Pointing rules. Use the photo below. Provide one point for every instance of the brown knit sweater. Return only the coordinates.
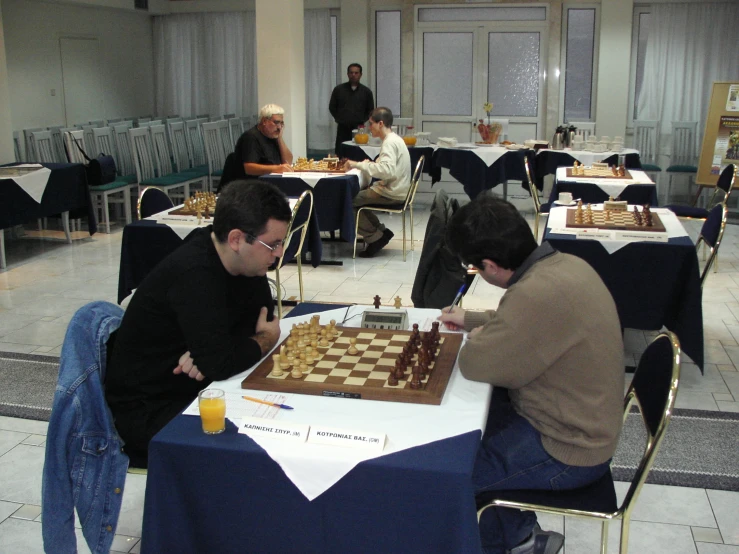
(555, 342)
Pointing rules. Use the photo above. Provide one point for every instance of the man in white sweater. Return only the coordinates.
(392, 168)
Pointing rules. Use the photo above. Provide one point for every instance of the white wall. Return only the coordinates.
(6, 138)
(32, 31)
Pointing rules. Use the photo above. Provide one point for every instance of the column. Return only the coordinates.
(281, 65)
(6, 127)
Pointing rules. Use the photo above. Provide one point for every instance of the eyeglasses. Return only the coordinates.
(279, 123)
(272, 247)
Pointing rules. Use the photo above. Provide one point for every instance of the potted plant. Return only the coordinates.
(489, 132)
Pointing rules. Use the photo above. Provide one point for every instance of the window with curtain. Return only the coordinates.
(387, 60)
(688, 47)
(320, 79)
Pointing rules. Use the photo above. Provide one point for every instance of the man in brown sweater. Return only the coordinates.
(555, 343)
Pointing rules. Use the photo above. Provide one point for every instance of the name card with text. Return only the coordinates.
(283, 430)
(344, 437)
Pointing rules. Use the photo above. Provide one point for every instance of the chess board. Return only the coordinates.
(621, 220)
(600, 173)
(185, 211)
(364, 375)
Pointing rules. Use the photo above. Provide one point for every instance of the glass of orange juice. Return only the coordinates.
(212, 404)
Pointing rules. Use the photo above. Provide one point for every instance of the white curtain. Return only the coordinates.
(320, 79)
(688, 48)
(205, 63)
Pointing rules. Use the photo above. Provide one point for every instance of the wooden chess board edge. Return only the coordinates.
(183, 211)
(657, 225)
(432, 393)
(600, 175)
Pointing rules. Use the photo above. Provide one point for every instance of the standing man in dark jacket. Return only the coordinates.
(350, 104)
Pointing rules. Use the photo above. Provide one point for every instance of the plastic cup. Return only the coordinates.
(212, 404)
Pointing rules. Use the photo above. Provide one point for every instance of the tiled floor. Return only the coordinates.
(47, 281)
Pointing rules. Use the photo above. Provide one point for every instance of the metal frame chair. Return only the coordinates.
(711, 234)
(293, 228)
(539, 208)
(724, 186)
(399, 208)
(152, 203)
(653, 389)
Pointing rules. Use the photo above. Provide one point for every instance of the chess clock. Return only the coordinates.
(385, 319)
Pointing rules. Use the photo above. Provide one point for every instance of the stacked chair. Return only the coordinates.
(105, 143)
(217, 140)
(646, 141)
(683, 153)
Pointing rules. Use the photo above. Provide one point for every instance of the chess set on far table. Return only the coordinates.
(201, 205)
(326, 165)
(599, 170)
(351, 362)
(620, 218)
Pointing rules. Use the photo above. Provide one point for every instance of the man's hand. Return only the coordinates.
(268, 332)
(348, 165)
(454, 320)
(282, 168)
(187, 367)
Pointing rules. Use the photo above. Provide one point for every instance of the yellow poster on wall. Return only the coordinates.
(721, 137)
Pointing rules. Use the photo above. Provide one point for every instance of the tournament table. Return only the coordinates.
(653, 284)
(594, 190)
(145, 243)
(332, 200)
(476, 176)
(65, 191)
(547, 161)
(224, 493)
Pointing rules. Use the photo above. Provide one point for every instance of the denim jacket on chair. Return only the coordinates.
(84, 465)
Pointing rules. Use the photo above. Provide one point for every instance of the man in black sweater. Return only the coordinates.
(262, 149)
(350, 105)
(203, 314)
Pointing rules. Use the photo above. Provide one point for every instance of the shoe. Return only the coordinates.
(540, 542)
(374, 247)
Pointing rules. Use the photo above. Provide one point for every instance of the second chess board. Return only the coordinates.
(617, 220)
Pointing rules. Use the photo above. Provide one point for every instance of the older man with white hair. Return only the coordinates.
(262, 149)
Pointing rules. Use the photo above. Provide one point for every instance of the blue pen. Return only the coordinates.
(457, 298)
(267, 402)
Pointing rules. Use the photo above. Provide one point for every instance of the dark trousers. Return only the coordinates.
(343, 133)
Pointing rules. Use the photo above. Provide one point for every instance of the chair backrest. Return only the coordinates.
(44, 147)
(585, 128)
(229, 116)
(215, 150)
(532, 187)
(295, 237)
(711, 234)
(31, 155)
(142, 153)
(194, 137)
(89, 141)
(401, 124)
(141, 120)
(152, 201)
(174, 119)
(71, 140)
(161, 149)
(724, 185)
(414, 182)
(57, 142)
(105, 144)
(114, 120)
(653, 389)
(683, 149)
(123, 147)
(205, 116)
(17, 146)
(236, 128)
(178, 140)
(646, 140)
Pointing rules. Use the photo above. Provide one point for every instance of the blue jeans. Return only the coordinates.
(510, 457)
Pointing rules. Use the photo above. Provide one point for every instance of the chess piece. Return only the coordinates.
(352, 347)
(392, 380)
(637, 216)
(276, 366)
(324, 340)
(377, 302)
(398, 302)
(647, 213)
(416, 379)
(296, 373)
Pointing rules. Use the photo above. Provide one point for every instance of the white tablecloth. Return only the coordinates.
(557, 223)
(586, 157)
(374, 151)
(612, 187)
(311, 178)
(315, 468)
(33, 183)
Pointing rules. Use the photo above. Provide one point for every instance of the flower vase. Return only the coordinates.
(489, 132)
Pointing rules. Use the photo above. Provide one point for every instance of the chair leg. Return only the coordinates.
(604, 537)
(300, 275)
(624, 546)
(536, 226)
(106, 214)
(403, 219)
(127, 206)
(3, 263)
(356, 232)
(411, 210)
